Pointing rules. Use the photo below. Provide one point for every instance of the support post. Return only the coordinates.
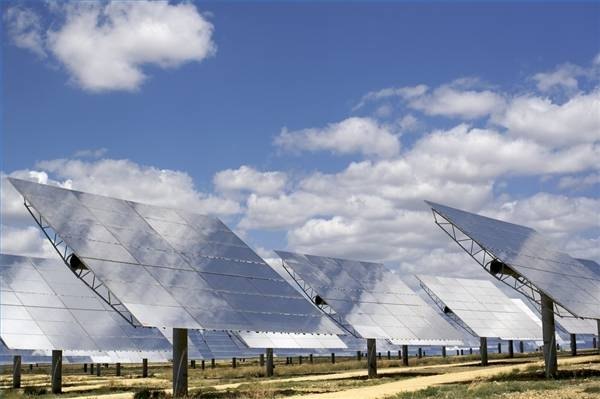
(212, 363)
(269, 362)
(470, 351)
(457, 352)
(549, 331)
(193, 364)
(511, 348)
(405, 355)
(573, 345)
(597, 342)
(379, 355)
(85, 367)
(389, 355)
(462, 352)
(56, 371)
(443, 351)
(203, 364)
(261, 360)
(371, 358)
(483, 351)
(332, 358)
(180, 362)
(499, 347)
(399, 355)
(300, 359)
(16, 381)
(118, 368)
(98, 369)
(358, 355)
(310, 358)
(92, 368)
(233, 362)
(521, 347)
(145, 366)
(420, 353)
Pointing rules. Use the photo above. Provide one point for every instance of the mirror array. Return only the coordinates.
(370, 299)
(483, 307)
(173, 268)
(43, 306)
(564, 279)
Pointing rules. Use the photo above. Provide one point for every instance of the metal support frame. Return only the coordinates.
(98, 370)
(86, 275)
(511, 348)
(144, 368)
(573, 344)
(443, 351)
(448, 313)
(312, 294)
(118, 369)
(484, 257)
(371, 358)
(405, 355)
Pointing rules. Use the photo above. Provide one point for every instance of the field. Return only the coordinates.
(430, 377)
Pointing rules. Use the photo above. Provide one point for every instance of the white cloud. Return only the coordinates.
(564, 76)
(579, 182)
(353, 135)
(104, 46)
(27, 241)
(97, 153)
(408, 123)
(389, 92)
(450, 101)
(575, 121)
(247, 179)
(125, 179)
(24, 30)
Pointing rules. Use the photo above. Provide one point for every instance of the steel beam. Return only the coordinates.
(483, 351)
(56, 371)
(16, 380)
(180, 362)
(371, 357)
(549, 334)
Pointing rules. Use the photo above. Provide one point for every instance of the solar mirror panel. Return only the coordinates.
(290, 341)
(483, 307)
(43, 306)
(168, 267)
(368, 300)
(526, 253)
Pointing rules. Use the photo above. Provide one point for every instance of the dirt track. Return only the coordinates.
(386, 389)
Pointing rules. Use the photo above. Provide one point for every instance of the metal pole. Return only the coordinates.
(499, 347)
(399, 355)
(462, 352)
(332, 358)
(300, 359)
(16, 382)
(483, 351)
(203, 364)
(261, 360)
(145, 366)
(511, 349)
(405, 355)
(573, 345)
(521, 347)
(420, 353)
(56, 371)
(371, 358)
(193, 364)
(234, 362)
(85, 367)
(358, 355)
(92, 368)
(443, 351)
(98, 368)
(118, 372)
(180, 362)
(598, 343)
(269, 362)
(548, 330)
(470, 351)
(212, 363)
(310, 358)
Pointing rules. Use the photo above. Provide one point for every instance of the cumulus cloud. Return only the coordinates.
(575, 121)
(247, 179)
(579, 182)
(24, 29)
(104, 46)
(25, 241)
(450, 101)
(352, 135)
(564, 76)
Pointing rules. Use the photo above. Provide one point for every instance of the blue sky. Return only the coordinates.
(308, 65)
